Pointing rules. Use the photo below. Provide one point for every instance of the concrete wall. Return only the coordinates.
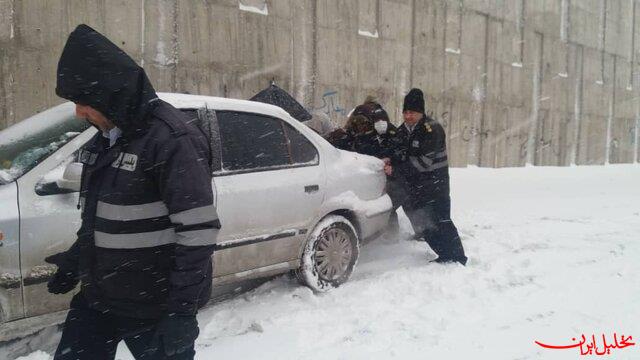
(544, 82)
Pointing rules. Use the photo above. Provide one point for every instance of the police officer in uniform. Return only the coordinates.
(143, 253)
(420, 161)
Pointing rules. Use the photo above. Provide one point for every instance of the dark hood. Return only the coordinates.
(95, 72)
(276, 96)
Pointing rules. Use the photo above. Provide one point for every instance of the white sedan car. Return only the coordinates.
(286, 198)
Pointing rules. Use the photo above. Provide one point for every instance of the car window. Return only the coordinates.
(251, 141)
(302, 150)
(29, 142)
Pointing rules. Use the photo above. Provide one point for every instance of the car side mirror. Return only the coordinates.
(60, 180)
(70, 180)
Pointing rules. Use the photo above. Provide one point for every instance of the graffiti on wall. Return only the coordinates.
(330, 104)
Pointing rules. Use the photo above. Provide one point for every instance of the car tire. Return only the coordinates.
(330, 254)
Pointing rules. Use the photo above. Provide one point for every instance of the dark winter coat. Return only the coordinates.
(368, 143)
(341, 138)
(359, 133)
(148, 220)
(420, 161)
(374, 144)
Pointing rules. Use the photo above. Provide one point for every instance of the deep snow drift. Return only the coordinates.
(554, 254)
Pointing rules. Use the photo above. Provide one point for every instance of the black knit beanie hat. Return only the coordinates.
(414, 101)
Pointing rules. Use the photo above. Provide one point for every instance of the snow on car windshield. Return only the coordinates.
(13, 169)
(26, 144)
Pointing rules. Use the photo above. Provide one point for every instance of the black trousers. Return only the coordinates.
(93, 335)
(396, 189)
(433, 220)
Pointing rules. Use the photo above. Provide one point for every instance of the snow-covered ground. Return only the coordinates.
(554, 254)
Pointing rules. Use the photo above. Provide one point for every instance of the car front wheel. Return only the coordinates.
(330, 254)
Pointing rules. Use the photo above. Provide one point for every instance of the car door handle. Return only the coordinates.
(311, 188)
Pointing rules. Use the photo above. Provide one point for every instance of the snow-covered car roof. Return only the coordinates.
(219, 103)
(189, 101)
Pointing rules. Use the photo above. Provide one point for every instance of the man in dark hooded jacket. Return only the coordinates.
(368, 131)
(143, 252)
(379, 140)
(375, 138)
(420, 160)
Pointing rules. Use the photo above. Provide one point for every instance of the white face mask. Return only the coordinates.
(381, 126)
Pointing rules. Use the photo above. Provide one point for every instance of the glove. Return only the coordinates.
(65, 279)
(176, 334)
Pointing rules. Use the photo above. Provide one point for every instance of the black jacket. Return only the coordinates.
(420, 159)
(148, 221)
(341, 139)
(374, 144)
(370, 143)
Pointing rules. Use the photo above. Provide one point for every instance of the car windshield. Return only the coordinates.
(27, 143)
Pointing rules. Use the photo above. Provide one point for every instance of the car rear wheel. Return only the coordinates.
(330, 254)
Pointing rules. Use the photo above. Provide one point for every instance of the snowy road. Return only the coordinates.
(554, 254)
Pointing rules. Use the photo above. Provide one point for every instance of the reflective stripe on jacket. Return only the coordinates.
(148, 205)
(420, 157)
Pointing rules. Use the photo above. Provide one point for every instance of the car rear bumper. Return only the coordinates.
(373, 216)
